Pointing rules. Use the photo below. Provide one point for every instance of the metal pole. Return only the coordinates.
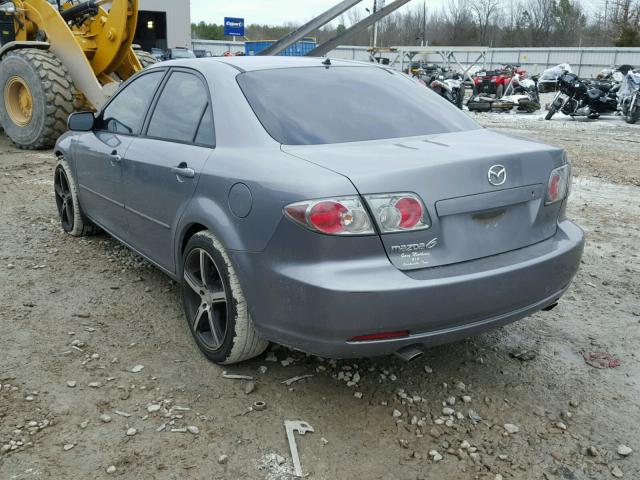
(329, 45)
(424, 23)
(307, 28)
(375, 25)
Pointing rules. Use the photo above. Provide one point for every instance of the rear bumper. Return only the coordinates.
(317, 304)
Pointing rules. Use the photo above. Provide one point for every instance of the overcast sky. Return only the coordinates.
(270, 12)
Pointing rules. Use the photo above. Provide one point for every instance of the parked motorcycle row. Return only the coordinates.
(614, 91)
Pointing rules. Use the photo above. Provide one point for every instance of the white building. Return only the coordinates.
(163, 24)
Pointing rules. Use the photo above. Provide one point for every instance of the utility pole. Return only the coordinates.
(374, 42)
(424, 23)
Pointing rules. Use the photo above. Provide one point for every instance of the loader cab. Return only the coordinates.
(7, 27)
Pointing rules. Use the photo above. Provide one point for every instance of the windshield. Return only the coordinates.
(318, 105)
(182, 54)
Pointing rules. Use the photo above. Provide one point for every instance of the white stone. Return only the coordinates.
(131, 432)
(111, 469)
(436, 457)
(137, 369)
(448, 411)
(153, 408)
(193, 429)
(624, 450)
(511, 428)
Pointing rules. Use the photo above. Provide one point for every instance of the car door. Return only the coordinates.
(99, 153)
(163, 165)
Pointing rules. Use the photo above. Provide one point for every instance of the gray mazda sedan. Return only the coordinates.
(331, 206)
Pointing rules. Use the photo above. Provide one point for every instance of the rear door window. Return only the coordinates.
(125, 113)
(183, 113)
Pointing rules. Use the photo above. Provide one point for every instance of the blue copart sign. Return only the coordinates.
(234, 27)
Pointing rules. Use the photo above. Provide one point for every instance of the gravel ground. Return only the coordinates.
(100, 378)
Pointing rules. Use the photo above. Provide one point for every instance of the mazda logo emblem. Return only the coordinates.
(497, 175)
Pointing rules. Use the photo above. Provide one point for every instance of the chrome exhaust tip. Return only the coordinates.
(409, 353)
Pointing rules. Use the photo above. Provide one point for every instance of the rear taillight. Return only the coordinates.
(398, 212)
(333, 216)
(558, 186)
(392, 212)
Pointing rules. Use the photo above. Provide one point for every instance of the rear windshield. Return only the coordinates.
(318, 105)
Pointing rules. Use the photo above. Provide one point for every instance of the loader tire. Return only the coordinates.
(37, 97)
(145, 58)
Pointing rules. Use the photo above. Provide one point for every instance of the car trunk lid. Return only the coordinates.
(470, 217)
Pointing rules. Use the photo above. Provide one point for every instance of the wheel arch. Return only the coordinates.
(17, 45)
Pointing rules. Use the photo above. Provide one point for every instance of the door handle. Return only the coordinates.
(183, 171)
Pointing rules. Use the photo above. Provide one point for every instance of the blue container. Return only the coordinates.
(298, 49)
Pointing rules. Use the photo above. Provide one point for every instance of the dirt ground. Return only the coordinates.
(77, 317)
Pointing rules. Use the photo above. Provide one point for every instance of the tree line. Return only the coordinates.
(492, 23)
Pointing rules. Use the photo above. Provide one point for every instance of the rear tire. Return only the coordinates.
(214, 305)
(145, 58)
(72, 219)
(37, 97)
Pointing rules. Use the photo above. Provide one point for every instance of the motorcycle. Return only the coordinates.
(577, 97)
(446, 83)
(628, 94)
(549, 79)
(523, 93)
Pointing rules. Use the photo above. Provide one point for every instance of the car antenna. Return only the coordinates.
(327, 62)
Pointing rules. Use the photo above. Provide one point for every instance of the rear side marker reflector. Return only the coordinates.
(380, 336)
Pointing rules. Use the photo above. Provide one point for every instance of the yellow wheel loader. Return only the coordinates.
(60, 56)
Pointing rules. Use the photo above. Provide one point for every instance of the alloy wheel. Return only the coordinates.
(206, 299)
(64, 199)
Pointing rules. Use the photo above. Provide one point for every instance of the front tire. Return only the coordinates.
(214, 305)
(72, 219)
(551, 112)
(37, 97)
(633, 115)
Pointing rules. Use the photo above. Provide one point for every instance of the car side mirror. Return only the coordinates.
(81, 121)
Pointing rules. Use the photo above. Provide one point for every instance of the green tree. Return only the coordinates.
(629, 37)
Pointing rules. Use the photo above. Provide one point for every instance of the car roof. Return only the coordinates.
(251, 63)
